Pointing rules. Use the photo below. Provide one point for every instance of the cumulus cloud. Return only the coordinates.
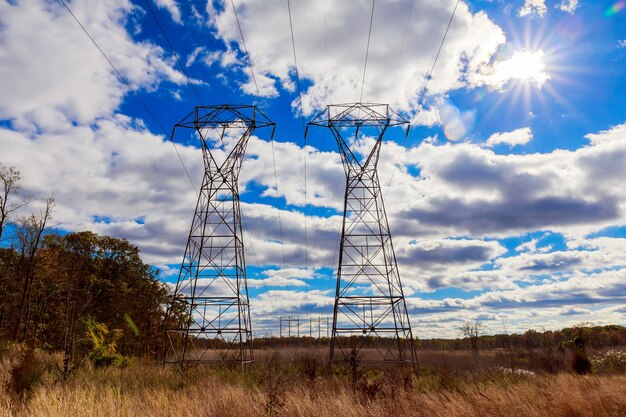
(519, 307)
(335, 73)
(63, 78)
(516, 137)
(436, 253)
(117, 172)
(483, 193)
(533, 7)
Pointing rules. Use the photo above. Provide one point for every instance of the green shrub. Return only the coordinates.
(104, 345)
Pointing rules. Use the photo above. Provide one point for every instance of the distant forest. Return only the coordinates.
(583, 335)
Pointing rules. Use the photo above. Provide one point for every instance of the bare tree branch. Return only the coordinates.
(9, 186)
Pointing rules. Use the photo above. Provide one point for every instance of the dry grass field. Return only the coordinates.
(296, 383)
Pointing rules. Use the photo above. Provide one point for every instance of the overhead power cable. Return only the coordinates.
(367, 49)
(258, 92)
(295, 62)
(401, 54)
(167, 39)
(245, 49)
(423, 92)
(130, 88)
(280, 223)
(325, 48)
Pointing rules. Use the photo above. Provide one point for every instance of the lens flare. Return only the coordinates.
(616, 8)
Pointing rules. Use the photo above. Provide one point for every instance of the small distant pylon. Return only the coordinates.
(212, 292)
(370, 318)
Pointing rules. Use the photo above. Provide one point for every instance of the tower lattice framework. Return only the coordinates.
(370, 318)
(211, 293)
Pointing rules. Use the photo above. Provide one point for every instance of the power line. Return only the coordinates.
(423, 92)
(325, 48)
(367, 50)
(430, 74)
(295, 61)
(245, 48)
(258, 92)
(184, 167)
(130, 88)
(167, 39)
(406, 29)
(280, 224)
(247, 230)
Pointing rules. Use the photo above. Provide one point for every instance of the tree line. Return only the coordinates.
(581, 335)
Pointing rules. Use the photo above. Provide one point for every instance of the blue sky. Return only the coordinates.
(508, 205)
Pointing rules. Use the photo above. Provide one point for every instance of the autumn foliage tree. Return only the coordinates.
(52, 285)
(83, 277)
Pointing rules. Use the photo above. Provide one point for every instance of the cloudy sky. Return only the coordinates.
(508, 204)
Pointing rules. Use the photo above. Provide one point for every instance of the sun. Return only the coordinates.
(524, 66)
(524, 76)
(534, 68)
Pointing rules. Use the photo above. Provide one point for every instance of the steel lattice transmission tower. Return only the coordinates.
(212, 292)
(370, 318)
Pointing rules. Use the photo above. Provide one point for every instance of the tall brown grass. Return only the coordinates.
(294, 384)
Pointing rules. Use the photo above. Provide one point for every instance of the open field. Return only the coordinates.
(296, 382)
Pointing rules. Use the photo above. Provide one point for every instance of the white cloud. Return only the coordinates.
(284, 277)
(191, 59)
(114, 171)
(435, 254)
(552, 305)
(568, 6)
(533, 7)
(208, 58)
(560, 261)
(62, 76)
(614, 136)
(336, 71)
(621, 43)
(519, 136)
(530, 246)
(172, 7)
